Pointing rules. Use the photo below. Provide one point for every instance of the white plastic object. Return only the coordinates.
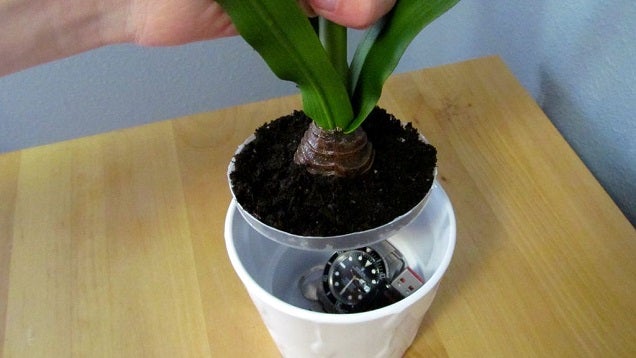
(271, 273)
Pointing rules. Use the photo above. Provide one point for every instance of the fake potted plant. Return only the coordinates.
(341, 175)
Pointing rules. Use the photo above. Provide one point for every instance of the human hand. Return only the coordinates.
(172, 22)
(42, 31)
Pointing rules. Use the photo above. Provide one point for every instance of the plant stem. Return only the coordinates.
(334, 40)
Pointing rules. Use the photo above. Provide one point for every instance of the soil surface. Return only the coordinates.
(268, 184)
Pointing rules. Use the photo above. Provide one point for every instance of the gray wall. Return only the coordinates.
(575, 57)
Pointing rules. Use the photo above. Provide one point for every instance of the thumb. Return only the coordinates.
(352, 13)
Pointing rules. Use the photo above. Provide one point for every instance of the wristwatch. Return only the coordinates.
(366, 278)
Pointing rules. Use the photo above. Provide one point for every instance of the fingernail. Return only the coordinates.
(326, 5)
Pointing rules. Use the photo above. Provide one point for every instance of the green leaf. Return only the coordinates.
(285, 39)
(384, 44)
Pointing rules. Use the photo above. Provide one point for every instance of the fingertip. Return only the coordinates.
(352, 13)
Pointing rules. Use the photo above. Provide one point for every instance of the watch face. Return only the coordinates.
(353, 278)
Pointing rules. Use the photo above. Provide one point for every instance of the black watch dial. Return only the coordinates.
(352, 279)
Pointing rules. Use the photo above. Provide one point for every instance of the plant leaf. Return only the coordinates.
(384, 44)
(285, 39)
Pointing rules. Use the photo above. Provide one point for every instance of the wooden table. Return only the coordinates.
(112, 245)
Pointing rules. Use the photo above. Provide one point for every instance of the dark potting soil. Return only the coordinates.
(268, 184)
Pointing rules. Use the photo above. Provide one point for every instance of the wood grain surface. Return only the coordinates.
(112, 245)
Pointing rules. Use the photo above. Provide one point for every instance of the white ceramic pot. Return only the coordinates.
(271, 273)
